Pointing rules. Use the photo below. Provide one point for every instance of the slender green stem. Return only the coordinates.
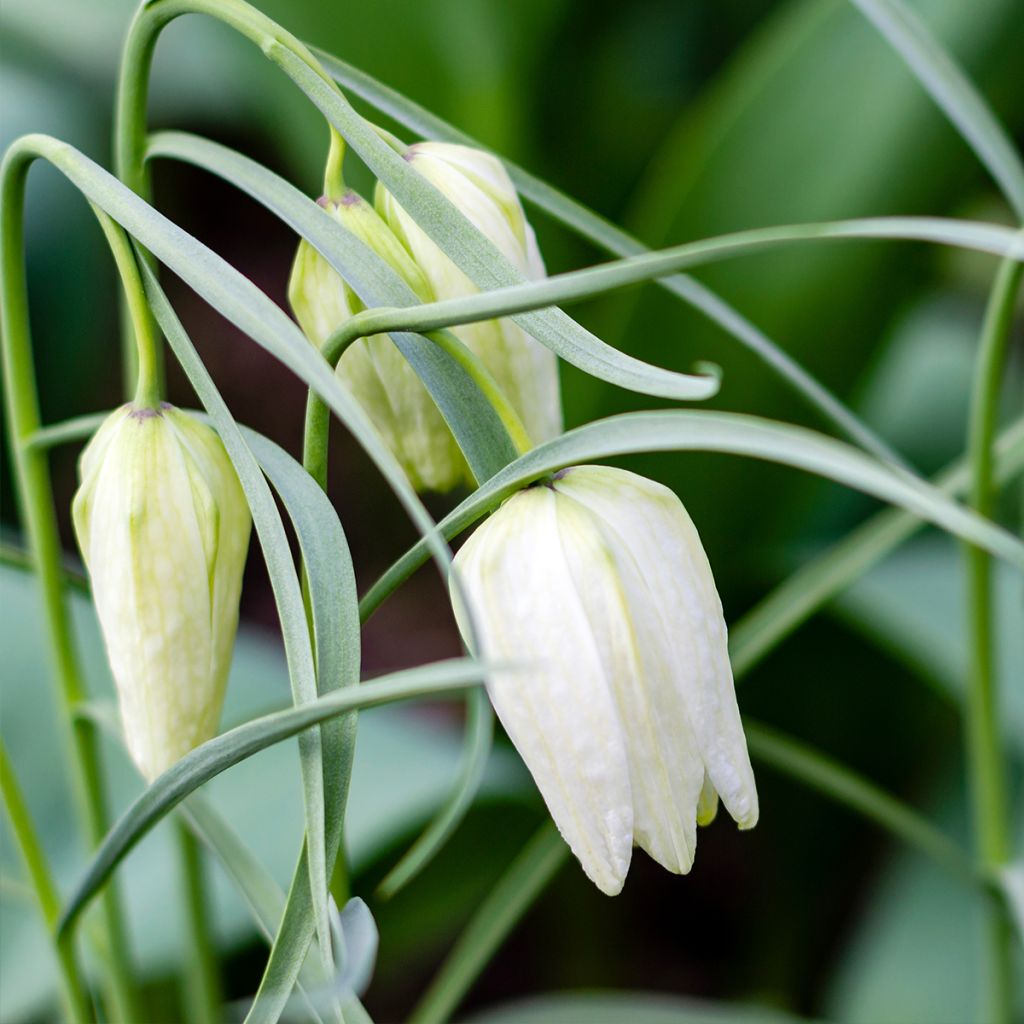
(334, 178)
(986, 760)
(35, 498)
(202, 984)
(494, 919)
(136, 61)
(133, 92)
(74, 996)
(149, 383)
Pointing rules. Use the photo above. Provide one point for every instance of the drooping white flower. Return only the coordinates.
(373, 369)
(479, 186)
(163, 527)
(622, 703)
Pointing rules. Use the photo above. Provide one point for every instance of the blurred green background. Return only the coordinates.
(679, 119)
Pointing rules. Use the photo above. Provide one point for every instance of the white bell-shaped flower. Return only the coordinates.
(373, 369)
(163, 527)
(621, 700)
(479, 186)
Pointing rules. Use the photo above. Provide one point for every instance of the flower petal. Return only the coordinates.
(557, 709)
(665, 767)
(654, 528)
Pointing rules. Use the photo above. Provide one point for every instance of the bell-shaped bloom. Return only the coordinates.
(595, 589)
(479, 186)
(373, 369)
(163, 527)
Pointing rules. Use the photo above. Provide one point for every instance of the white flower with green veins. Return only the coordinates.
(621, 699)
(163, 527)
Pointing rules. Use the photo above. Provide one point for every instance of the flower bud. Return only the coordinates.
(620, 699)
(479, 186)
(373, 369)
(163, 527)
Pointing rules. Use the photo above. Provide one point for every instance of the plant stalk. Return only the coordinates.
(202, 984)
(985, 755)
(74, 995)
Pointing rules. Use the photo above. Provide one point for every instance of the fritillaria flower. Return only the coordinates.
(163, 527)
(594, 587)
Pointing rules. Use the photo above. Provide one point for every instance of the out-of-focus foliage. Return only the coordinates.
(680, 119)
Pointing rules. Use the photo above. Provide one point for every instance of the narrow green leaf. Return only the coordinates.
(476, 255)
(472, 419)
(284, 583)
(601, 232)
(728, 433)
(335, 612)
(795, 599)
(581, 284)
(953, 92)
(211, 758)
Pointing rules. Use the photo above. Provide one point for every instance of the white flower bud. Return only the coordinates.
(373, 369)
(479, 186)
(163, 527)
(624, 709)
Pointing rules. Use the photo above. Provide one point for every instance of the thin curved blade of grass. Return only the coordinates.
(470, 416)
(591, 281)
(602, 233)
(476, 255)
(953, 92)
(798, 596)
(327, 596)
(479, 735)
(727, 433)
(215, 756)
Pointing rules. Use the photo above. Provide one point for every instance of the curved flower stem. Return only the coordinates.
(149, 383)
(133, 90)
(984, 743)
(73, 991)
(35, 497)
